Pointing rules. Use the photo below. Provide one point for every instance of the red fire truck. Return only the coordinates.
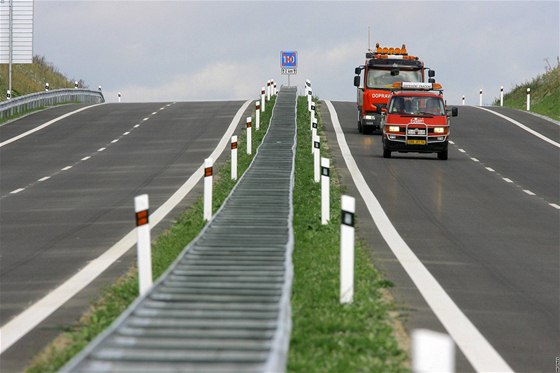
(374, 80)
(416, 120)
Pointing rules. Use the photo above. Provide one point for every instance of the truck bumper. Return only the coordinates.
(403, 147)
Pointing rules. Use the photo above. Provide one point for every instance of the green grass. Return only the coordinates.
(545, 94)
(116, 298)
(328, 336)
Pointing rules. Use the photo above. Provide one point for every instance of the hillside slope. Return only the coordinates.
(545, 94)
(29, 78)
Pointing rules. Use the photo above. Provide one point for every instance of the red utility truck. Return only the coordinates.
(374, 80)
(416, 120)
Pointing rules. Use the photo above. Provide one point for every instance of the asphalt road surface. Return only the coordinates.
(485, 223)
(67, 195)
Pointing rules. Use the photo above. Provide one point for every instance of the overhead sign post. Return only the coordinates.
(288, 63)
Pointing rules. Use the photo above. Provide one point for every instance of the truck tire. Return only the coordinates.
(360, 127)
(387, 153)
(442, 155)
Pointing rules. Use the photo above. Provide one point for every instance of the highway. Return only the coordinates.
(67, 191)
(484, 223)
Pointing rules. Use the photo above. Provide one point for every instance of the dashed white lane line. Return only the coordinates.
(557, 207)
(136, 126)
(86, 158)
(154, 113)
(474, 159)
(114, 141)
(529, 192)
(462, 150)
(126, 133)
(44, 178)
(101, 149)
(507, 180)
(480, 353)
(490, 169)
(17, 191)
(66, 168)
(145, 119)
(19, 326)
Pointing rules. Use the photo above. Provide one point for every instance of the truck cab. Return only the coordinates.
(416, 120)
(374, 81)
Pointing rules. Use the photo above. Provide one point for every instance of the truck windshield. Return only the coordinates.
(417, 105)
(384, 79)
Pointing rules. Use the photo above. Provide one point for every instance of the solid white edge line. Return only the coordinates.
(522, 126)
(9, 141)
(468, 338)
(23, 323)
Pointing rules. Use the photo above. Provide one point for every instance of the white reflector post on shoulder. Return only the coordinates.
(141, 208)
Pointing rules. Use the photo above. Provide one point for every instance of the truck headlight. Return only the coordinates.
(393, 128)
(369, 117)
(439, 130)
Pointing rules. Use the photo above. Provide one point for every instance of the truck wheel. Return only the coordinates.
(442, 155)
(360, 127)
(386, 153)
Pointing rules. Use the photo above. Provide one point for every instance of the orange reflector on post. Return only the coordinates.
(208, 171)
(234, 145)
(142, 217)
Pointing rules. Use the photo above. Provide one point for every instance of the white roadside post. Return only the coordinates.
(325, 190)
(502, 96)
(257, 115)
(313, 134)
(144, 250)
(268, 90)
(208, 163)
(309, 98)
(348, 206)
(432, 352)
(312, 115)
(75, 85)
(234, 158)
(249, 145)
(463, 100)
(47, 87)
(8, 94)
(317, 159)
(119, 97)
(275, 90)
(262, 99)
(480, 100)
(528, 99)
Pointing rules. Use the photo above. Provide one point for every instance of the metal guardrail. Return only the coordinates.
(34, 101)
(224, 305)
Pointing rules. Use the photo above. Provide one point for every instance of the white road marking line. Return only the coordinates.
(126, 133)
(529, 192)
(451, 142)
(114, 141)
(154, 113)
(475, 160)
(44, 178)
(9, 141)
(490, 169)
(17, 191)
(136, 126)
(476, 348)
(145, 119)
(555, 206)
(522, 126)
(66, 168)
(462, 150)
(507, 180)
(23, 323)
(101, 149)
(86, 158)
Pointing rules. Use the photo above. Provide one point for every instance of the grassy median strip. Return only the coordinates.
(327, 336)
(116, 298)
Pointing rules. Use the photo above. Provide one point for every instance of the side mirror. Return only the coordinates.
(358, 70)
(431, 73)
(357, 81)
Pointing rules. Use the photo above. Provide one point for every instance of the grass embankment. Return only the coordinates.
(31, 78)
(116, 298)
(328, 336)
(545, 94)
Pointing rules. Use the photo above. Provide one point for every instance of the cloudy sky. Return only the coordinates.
(206, 50)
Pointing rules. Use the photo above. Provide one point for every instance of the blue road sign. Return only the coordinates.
(288, 59)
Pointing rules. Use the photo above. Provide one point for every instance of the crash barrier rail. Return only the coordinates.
(35, 101)
(224, 305)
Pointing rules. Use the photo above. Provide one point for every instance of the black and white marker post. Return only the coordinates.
(480, 100)
(208, 171)
(141, 208)
(119, 96)
(309, 98)
(268, 90)
(262, 99)
(528, 99)
(47, 87)
(313, 134)
(348, 206)
(257, 115)
(325, 190)
(249, 144)
(463, 100)
(234, 158)
(317, 159)
(502, 96)
(312, 115)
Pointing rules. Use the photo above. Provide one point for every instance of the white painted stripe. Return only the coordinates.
(529, 192)
(145, 119)
(23, 323)
(66, 168)
(17, 191)
(126, 133)
(557, 207)
(136, 126)
(475, 160)
(114, 141)
(462, 150)
(522, 126)
(44, 178)
(86, 158)
(9, 141)
(451, 142)
(101, 149)
(154, 113)
(507, 180)
(490, 169)
(476, 348)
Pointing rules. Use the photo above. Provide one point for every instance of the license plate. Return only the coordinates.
(416, 142)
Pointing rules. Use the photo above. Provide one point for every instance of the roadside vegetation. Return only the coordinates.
(545, 93)
(31, 78)
(166, 248)
(327, 336)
